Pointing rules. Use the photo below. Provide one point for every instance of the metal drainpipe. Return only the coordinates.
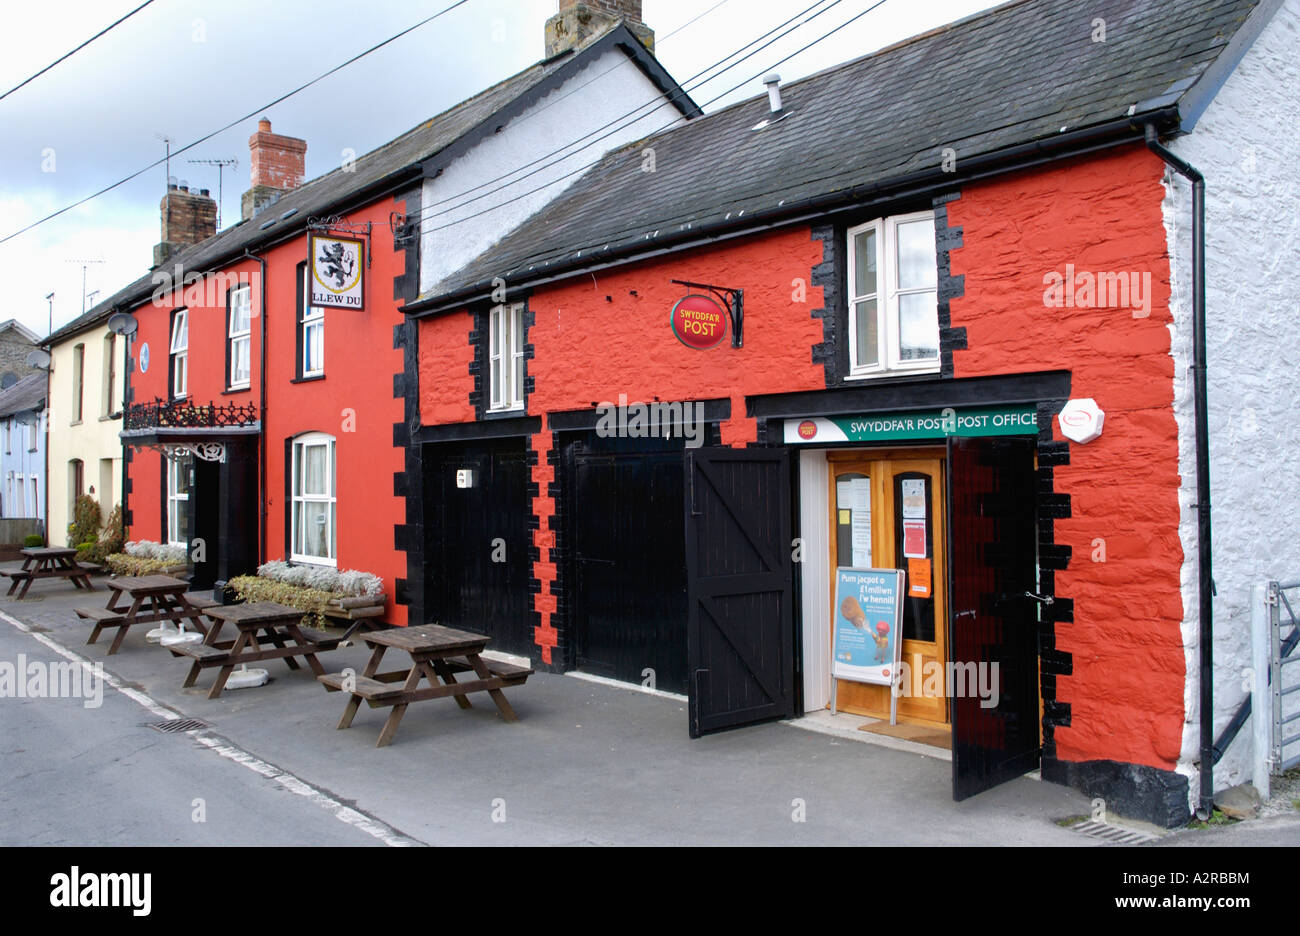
(261, 447)
(127, 341)
(1204, 551)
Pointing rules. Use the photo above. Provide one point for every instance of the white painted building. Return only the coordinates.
(1245, 145)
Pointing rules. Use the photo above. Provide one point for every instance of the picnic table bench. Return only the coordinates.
(278, 625)
(437, 653)
(164, 595)
(49, 562)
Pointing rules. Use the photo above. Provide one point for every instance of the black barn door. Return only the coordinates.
(481, 542)
(629, 589)
(993, 618)
(740, 628)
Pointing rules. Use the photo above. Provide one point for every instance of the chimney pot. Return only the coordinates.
(580, 21)
(277, 164)
(187, 218)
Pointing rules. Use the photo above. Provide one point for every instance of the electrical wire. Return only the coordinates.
(254, 112)
(69, 55)
(584, 168)
(623, 121)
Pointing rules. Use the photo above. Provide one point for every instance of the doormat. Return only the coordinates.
(922, 734)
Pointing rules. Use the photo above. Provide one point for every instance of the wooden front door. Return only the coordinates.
(887, 512)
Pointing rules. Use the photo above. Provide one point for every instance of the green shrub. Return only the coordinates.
(33, 540)
(105, 543)
(86, 520)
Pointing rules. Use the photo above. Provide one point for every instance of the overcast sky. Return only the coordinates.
(181, 68)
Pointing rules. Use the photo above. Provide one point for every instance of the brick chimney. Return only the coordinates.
(277, 164)
(580, 21)
(187, 218)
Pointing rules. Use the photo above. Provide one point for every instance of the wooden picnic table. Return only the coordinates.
(275, 621)
(164, 595)
(436, 652)
(49, 562)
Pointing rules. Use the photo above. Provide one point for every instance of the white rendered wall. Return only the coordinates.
(1246, 146)
(614, 88)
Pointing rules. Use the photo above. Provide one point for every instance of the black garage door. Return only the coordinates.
(627, 558)
(478, 541)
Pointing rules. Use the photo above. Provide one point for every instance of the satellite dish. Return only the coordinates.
(39, 359)
(7, 380)
(122, 323)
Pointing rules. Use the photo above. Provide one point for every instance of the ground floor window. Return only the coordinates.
(312, 492)
(178, 498)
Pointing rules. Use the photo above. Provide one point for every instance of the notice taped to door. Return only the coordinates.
(866, 644)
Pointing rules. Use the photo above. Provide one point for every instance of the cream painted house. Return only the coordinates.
(87, 367)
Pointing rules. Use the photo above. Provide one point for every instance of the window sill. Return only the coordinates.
(111, 417)
(503, 411)
(229, 390)
(75, 422)
(320, 563)
(308, 379)
(885, 375)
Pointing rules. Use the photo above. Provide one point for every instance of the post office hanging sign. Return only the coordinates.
(338, 277)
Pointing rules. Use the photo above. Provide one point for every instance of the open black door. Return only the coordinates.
(740, 628)
(993, 621)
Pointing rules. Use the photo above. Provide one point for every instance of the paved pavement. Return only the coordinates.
(586, 764)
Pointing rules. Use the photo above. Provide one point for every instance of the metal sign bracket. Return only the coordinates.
(734, 302)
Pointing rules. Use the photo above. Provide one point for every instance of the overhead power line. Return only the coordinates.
(254, 112)
(582, 169)
(618, 123)
(69, 55)
(430, 211)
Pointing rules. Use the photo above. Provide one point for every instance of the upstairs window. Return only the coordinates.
(313, 498)
(506, 357)
(109, 370)
(180, 353)
(78, 380)
(311, 331)
(239, 337)
(893, 296)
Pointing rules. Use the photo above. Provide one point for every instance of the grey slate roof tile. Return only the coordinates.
(26, 394)
(1016, 74)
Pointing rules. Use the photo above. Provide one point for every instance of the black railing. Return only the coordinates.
(181, 414)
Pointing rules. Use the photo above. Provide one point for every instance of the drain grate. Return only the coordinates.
(1114, 835)
(175, 725)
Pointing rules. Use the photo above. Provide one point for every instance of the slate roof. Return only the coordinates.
(452, 129)
(26, 394)
(1023, 72)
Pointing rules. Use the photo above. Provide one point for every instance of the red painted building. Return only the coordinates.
(923, 290)
(265, 418)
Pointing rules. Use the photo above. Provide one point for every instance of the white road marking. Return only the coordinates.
(342, 812)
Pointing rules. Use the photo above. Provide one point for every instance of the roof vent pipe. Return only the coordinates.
(773, 82)
(779, 113)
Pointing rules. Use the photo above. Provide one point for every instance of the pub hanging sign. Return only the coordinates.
(338, 278)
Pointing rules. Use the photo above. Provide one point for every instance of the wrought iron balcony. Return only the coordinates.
(182, 414)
